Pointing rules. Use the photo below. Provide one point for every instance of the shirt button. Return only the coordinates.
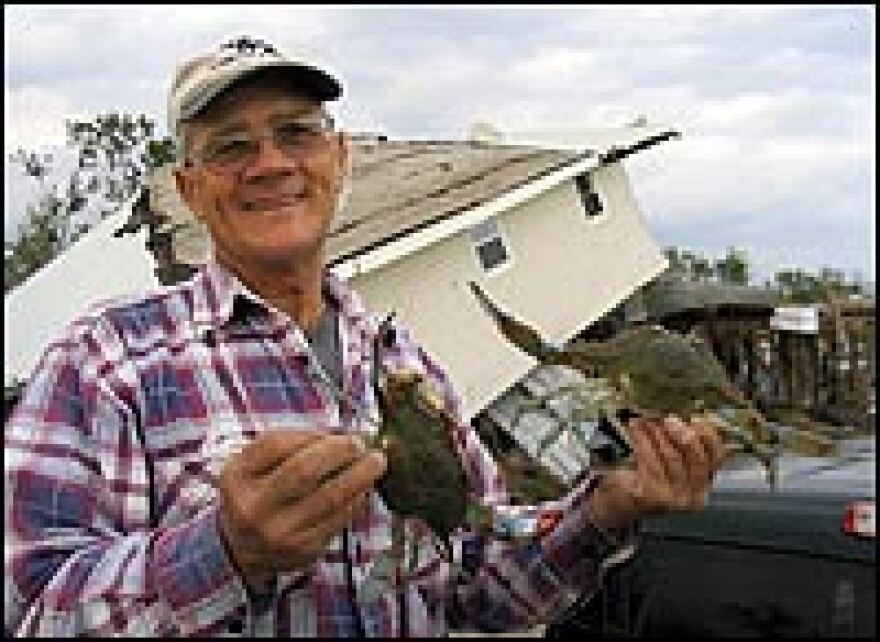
(236, 626)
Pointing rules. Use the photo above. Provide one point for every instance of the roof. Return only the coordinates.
(667, 297)
(563, 393)
(402, 186)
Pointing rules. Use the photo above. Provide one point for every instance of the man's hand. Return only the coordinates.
(287, 494)
(673, 467)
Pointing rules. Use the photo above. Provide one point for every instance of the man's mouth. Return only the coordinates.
(273, 203)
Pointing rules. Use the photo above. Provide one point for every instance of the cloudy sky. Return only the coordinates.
(776, 104)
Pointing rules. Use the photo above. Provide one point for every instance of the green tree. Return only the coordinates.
(678, 268)
(689, 265)
(687, 258)
(835, 284)
(40, 238)
(733, 269)
(798, 286)
(675, 263)
(115, 153)
(702, 270)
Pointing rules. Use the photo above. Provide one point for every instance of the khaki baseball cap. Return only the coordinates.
(205, 76)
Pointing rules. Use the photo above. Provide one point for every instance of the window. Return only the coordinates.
(492, 253)
(490, 246)
(589, 197)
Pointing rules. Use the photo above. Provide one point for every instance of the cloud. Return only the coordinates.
(792, 112)
(735, 177)
(122, 57)
(34, 117)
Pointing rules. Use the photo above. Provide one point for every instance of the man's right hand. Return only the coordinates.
(287, 494)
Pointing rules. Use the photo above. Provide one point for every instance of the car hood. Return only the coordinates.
(802, 513)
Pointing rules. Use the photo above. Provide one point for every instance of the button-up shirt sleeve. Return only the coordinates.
(526, 582)
(520, 584)
(82, 557)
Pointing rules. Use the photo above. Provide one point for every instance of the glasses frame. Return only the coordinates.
(326, 124)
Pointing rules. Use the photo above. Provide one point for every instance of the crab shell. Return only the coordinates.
(424, 479)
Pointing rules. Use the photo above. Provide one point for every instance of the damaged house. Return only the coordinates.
(554, 235)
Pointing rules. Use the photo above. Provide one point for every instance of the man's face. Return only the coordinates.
(275, 206)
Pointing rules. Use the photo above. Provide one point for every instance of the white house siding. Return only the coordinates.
(97, 267)
(584, 267)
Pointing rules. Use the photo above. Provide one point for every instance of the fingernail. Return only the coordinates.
(378, 456)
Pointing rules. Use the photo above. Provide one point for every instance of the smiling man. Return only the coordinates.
(188, 462)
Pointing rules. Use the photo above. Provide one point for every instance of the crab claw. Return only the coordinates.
(429, 399)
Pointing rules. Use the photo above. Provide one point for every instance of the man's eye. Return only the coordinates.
(294, 132)
(233, 148)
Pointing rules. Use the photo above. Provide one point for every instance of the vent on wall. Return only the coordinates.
(490, 246)
(589, 197)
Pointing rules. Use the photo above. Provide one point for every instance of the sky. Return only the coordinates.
(776, 104)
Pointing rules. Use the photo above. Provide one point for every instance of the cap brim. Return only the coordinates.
(300, 78)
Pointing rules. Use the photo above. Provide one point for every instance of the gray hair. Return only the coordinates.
(180, 144)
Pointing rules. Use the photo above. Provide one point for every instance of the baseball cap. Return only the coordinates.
(202, 78)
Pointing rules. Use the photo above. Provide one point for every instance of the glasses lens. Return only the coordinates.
(295, 134)
(229, 152)
(292, 137)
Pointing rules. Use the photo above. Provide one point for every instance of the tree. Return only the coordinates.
(702, 270)
(798, 286)
(687, 263)
(733, 269)
(835, 284)
(115, 152)
(678, 268)
(41, 237)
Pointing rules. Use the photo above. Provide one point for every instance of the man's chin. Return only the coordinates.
(289, 256)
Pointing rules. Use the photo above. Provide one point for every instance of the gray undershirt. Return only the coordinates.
(325, 343)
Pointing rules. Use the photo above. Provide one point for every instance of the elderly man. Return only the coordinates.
(189, 462)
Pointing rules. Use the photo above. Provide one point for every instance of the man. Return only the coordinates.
(189, 462)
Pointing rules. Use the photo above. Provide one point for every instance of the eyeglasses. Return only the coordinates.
(294, 137)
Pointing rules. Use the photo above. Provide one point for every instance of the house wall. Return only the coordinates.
(97, 267)
(565, 272)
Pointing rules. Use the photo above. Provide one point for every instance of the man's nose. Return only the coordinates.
(271, 158)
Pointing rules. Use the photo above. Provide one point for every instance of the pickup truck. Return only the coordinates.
(794, 559)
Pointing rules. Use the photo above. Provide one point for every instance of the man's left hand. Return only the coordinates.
(674, 464)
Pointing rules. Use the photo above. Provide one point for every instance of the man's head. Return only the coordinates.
(263, 166)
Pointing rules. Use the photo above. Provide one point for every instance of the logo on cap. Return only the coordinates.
(247, 46)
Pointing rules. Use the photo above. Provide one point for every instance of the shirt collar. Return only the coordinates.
(218, 287)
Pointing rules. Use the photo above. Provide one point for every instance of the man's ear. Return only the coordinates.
(344, 157)
(186, 187)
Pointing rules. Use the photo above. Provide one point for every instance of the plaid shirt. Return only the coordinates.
(112, 458)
